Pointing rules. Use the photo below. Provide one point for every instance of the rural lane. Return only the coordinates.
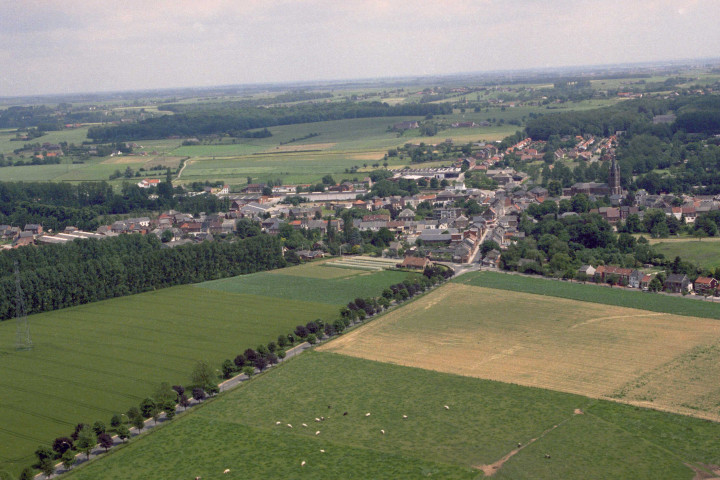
(150, 423)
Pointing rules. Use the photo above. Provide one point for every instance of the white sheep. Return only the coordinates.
(382, 431)
(322, 451)
(304, 424)
(227, 470)
(404, 416)
(302, 464)
(289, 426)
(317, 433)
(278, 423)
(317, 419)
(447, 408)
(367, 414)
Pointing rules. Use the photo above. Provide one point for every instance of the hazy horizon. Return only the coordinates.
(80, 46)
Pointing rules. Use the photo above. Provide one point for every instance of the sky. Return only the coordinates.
(73, 46)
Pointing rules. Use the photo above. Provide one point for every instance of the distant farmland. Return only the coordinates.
(95, 360)
(647, 358)
(479, 432)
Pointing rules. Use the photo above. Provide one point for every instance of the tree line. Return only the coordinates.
(207, 119)
(84, 271)
(57, 205)
(557, 247)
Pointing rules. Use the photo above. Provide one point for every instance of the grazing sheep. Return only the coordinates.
(367, 414)
(317, 433)
(304, 424)
(227, 470)
(278, 423)
(322, 451)
(447, 408)
(302, 464)
(382, 431)
(345, 414)
(404, 416)
(197, 478)
(289, 426)
(317, 419)
(547, 455)
(519, 444)
(322, 419)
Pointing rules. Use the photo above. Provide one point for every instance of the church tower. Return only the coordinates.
(614, 179)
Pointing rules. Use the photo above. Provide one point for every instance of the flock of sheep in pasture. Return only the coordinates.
(322, 419)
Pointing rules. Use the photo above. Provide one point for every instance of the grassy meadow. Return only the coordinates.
(704, 253)
(603, 351)
(485, 422)
(92, 361)
(330, 288)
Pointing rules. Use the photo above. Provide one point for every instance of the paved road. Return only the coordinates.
(237, 379)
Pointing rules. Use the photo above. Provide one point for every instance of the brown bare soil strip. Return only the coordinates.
(301, 147)
(705, 472)
(368, 156)
(172, 162)
(491, 469)
(123, 160)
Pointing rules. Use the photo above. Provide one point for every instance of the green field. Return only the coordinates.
(332, 290)
(76, 135)
(92, 361)
(702, 253)
(586, 439)
(289, 167)
(594, 293)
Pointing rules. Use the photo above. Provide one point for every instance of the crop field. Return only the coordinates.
(601, 351)
(333, 288)
(623, 297)
(703, 253)
(317, 270)
(343, 267)
(291, 167)
(502, 429)
(92, 361)
(363, 263)
(217, 150)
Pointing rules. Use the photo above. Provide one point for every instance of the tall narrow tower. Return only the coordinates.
(22, 333)
(614, 179)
